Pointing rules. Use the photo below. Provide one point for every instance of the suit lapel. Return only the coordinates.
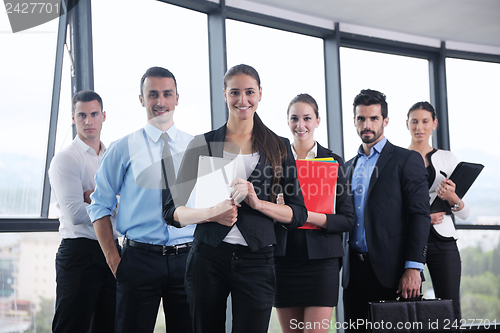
(216, 144)
(436, 163)
(322, 152)
(259, 168)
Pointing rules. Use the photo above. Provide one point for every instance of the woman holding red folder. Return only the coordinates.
(307, 276)
(443, 258)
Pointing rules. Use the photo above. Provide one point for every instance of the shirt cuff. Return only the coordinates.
(97, 212)
(414, 264)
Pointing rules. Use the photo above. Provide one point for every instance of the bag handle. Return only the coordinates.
(412, 299)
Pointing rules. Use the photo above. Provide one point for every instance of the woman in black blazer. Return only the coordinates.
(307, 276)
(233, 250)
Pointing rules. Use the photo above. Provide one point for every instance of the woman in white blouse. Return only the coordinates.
(443, 257)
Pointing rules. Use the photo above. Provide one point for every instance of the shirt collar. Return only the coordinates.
(154, 133)
(310, 155)
(377, 148)
(83, 147)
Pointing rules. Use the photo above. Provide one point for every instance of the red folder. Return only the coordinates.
(318, 182)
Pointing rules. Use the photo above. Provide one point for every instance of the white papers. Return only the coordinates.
(215, 174)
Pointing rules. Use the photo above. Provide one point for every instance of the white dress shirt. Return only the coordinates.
(245, 164)
(71, 173)
(310, 155)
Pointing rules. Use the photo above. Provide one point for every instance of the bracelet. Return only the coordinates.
(456, 206)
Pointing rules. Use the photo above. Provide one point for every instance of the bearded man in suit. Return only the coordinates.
(387, 246)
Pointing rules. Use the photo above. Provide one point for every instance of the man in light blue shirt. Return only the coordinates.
(359, 183)
(154, 255)
(388, 244)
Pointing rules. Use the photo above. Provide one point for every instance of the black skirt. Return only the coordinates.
(303, 282)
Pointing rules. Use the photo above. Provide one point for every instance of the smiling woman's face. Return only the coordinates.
(302, 121)
(242, 95)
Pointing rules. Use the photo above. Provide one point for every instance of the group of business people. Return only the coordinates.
(247, 245)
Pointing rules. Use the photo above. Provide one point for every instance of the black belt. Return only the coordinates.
(164, 250)
(82, 241)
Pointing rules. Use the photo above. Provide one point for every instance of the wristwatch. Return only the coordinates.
(456, 206)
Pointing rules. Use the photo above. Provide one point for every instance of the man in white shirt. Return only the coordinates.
(86, 288)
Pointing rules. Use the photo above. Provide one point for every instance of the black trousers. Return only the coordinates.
(213, 273)
(143, 279)
(86, 289)
(445, 268)
(363, 287)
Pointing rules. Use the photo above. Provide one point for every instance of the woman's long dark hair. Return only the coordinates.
(262, 137)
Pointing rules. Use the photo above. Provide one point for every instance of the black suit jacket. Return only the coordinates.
(256, 228)
(397, 213)
(327, 243)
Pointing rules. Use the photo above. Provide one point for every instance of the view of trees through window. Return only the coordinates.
(480, 284)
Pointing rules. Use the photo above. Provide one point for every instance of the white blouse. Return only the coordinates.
(444, 160)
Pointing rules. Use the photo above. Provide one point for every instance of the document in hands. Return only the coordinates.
(318, 182)
(464, 175)
(215, 174)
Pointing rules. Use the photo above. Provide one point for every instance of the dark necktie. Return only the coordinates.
(168, 171)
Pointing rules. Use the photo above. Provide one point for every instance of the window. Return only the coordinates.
(403, 80)
(26, 93)
(472, 87)
(64, 134)
(480, 285)
(27, 282)
(480, 282)
(288, 64)
(146, 34)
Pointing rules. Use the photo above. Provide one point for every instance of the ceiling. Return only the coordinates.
(463, 21)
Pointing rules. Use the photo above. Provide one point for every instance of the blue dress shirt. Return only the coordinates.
(124, 169)
(359, 186)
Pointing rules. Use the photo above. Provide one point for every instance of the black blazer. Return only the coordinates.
(397, 213)
(256, 228)
(327, 243)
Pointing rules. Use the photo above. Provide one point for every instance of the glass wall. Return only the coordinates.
(146, 34)
(403, 80)
(64, 134)
(472, 90)
(27, 75)
(288, 64)
(27, 281)
(480, 286)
